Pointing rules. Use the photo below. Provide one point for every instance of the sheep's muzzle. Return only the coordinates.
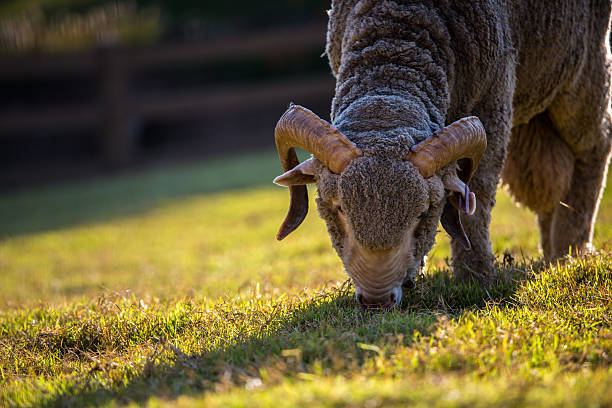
(378, 275)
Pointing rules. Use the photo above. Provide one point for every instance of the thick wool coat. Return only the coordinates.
(536, 73)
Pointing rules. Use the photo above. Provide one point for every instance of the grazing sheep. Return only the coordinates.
(534, 77)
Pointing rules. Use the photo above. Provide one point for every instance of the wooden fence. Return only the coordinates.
(116, 109)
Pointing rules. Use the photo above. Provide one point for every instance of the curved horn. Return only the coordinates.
(464, 139)
(299, 127)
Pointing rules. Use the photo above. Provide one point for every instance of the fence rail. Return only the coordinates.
(116, 108)
(280, 42)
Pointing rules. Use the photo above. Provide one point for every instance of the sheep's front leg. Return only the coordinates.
(478, 261)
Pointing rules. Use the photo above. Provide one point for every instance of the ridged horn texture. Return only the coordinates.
(299, 127)
(464, 139)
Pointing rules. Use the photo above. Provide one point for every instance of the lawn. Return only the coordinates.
(167, 287)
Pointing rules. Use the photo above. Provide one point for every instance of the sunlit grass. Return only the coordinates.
(163, 287)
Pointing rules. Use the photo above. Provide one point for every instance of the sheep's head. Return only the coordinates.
(381, 213)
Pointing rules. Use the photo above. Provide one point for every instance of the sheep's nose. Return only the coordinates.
(385, 302)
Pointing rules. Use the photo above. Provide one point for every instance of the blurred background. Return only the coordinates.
(96, 86)
(137, 146)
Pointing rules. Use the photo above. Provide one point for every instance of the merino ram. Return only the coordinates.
(433, 95)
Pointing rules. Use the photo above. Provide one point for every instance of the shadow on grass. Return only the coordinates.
(52, 207)
(330, 333)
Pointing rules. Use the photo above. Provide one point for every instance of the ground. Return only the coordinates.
(167, 287)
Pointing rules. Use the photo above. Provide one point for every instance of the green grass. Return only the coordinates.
(167, 287)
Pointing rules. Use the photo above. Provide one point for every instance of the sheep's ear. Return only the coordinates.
(461, 197)
(451, 222)
(301, 174)
(295, 179)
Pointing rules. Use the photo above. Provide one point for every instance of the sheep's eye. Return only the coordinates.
(339, 209)
(423, 214)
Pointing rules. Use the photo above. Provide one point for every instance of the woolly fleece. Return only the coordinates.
(406, 69)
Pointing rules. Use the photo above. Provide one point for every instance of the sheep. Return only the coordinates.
(525, 87)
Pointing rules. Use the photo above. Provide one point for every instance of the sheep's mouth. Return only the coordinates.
(383, 303)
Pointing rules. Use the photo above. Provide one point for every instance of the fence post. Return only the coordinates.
(118, 124)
